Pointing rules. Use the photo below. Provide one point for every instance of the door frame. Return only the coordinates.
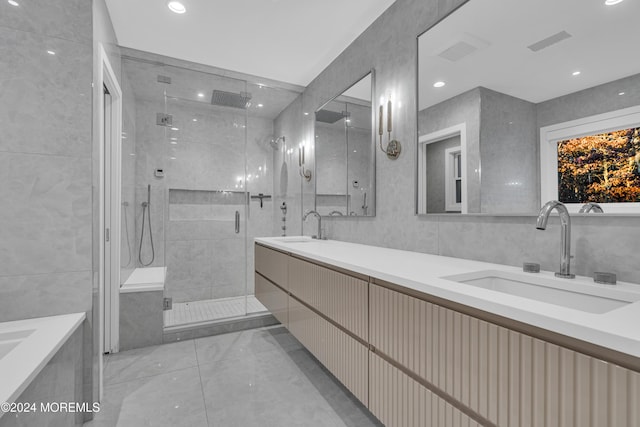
(109, 292)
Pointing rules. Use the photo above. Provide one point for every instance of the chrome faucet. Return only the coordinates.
(591, 207)
(565, 235)
(317, 215)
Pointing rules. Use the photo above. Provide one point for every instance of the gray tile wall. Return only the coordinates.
(141, 319)
(389, 46)
(45, 158)
(509, 153)
(46, 264)
(287, 183)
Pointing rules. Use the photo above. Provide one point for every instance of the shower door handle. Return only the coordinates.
(237, 222)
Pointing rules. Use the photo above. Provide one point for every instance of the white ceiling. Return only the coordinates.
(287, 40)
(603, 47)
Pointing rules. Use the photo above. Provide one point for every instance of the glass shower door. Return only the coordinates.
(205, 178)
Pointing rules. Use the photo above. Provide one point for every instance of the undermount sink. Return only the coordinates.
(293, 239)
(10, 340)
(573, 294)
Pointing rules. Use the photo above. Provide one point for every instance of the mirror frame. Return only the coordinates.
(373, 144)
(618, 210)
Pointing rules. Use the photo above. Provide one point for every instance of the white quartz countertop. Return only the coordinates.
(33, 343)
(618, 329)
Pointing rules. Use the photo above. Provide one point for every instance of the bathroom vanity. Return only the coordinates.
(425, 340)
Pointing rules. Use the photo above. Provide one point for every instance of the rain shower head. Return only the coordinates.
(229, 99)
(328, 116)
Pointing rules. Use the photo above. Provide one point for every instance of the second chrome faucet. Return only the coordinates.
(565, 235)
(317, 215)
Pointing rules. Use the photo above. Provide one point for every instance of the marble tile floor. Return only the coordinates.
(259, 377)
(185, 313)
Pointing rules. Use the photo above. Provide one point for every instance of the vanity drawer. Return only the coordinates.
(274, 298)
(399, 401)
(341, 354)
(340, 297)
(272, 264)
(505, 377)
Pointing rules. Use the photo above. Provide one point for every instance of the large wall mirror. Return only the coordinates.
(527, 101)
(345, 153)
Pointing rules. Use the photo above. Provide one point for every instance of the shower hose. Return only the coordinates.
(146, 209)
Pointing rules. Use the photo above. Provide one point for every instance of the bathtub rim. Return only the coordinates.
(23, 364)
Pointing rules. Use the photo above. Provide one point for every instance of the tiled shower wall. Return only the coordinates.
(287, 182)
(193, 223)
(389, 46)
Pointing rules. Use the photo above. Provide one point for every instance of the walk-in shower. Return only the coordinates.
(215, 140)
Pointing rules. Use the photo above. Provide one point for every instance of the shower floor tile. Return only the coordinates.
(185, 313)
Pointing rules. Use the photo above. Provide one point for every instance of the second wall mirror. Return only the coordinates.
(345, 153)
(515, 101)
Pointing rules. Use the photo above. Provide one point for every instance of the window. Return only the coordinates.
(593, 159)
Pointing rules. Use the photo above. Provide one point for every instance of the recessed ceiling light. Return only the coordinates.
(175, 129)
(439, 84)
(354, 151)
(201, 95)
(612, 2)
(13, 3)
(176, 7)
(172, 158)
(174, 142)
(621, 93)
(575, 73)
(195, 120)
(50, 52)
(306, 114)
(347, 120)
(260, 105)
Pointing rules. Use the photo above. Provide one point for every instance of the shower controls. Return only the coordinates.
(283, 208)
(159, 173)
(262, 197)
(163, 119)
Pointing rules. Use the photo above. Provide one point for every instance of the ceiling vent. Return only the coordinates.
(549, 41)
(229, 99)
(164, 79)
(464, 46)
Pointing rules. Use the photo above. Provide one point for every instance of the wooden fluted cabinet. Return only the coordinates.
(502, 376)
(418, 361)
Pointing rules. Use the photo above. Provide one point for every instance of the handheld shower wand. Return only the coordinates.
(146, 209)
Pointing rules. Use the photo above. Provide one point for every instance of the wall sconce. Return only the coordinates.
(306, 174)
(393, 147)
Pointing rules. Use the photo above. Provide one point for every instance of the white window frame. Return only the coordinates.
(450, 155)
(592, 125)
(424, 140)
